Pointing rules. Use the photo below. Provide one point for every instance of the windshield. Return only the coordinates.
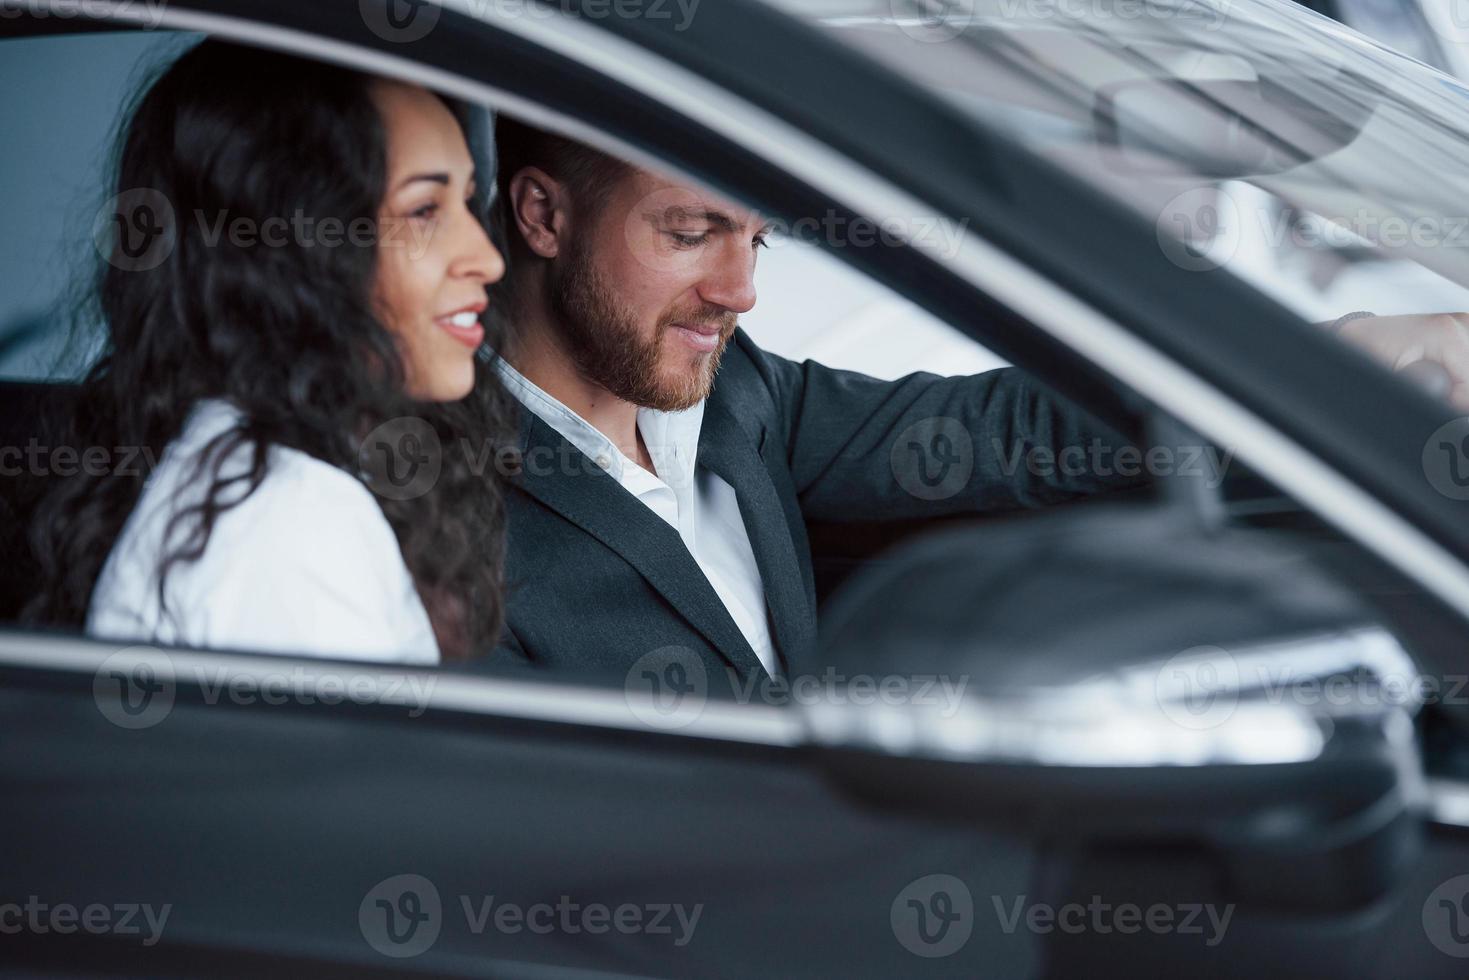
(1327, 170)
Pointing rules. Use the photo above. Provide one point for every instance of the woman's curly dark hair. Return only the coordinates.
(288, 333)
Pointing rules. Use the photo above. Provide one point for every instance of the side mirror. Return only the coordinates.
(1128, 677)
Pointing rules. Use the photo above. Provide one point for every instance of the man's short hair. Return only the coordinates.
(588, 172)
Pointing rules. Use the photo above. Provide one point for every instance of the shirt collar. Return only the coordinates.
(672, 438)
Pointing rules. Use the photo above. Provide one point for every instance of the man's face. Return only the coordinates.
(649, 290)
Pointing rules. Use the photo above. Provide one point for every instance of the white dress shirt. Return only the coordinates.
(306, 564)
(701, 506)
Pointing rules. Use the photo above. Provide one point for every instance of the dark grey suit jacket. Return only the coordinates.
(596, 580)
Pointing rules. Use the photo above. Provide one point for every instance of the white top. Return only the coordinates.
(306, 564)
(701, 506)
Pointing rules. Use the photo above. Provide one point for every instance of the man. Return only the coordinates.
(670, 465)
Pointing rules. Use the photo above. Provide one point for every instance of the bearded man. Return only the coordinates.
(669, 465)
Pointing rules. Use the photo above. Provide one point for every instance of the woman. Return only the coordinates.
(325, 275)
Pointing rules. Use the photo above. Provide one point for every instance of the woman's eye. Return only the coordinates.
(427, 211)
(761, 242)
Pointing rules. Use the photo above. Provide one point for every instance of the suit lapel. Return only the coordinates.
(584, 494)
(728, 451)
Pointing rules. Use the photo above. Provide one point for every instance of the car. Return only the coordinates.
(1217, 728)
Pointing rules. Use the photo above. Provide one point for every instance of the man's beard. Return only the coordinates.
(607, 348)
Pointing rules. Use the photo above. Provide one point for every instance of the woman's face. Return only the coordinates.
(434, 258)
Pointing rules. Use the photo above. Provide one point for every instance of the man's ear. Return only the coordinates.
(538, 210)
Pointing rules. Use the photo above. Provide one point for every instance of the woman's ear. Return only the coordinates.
(538, 210)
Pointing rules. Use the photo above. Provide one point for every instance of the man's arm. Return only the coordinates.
(863, 449)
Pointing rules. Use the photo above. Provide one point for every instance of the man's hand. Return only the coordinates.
(1431, 349)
